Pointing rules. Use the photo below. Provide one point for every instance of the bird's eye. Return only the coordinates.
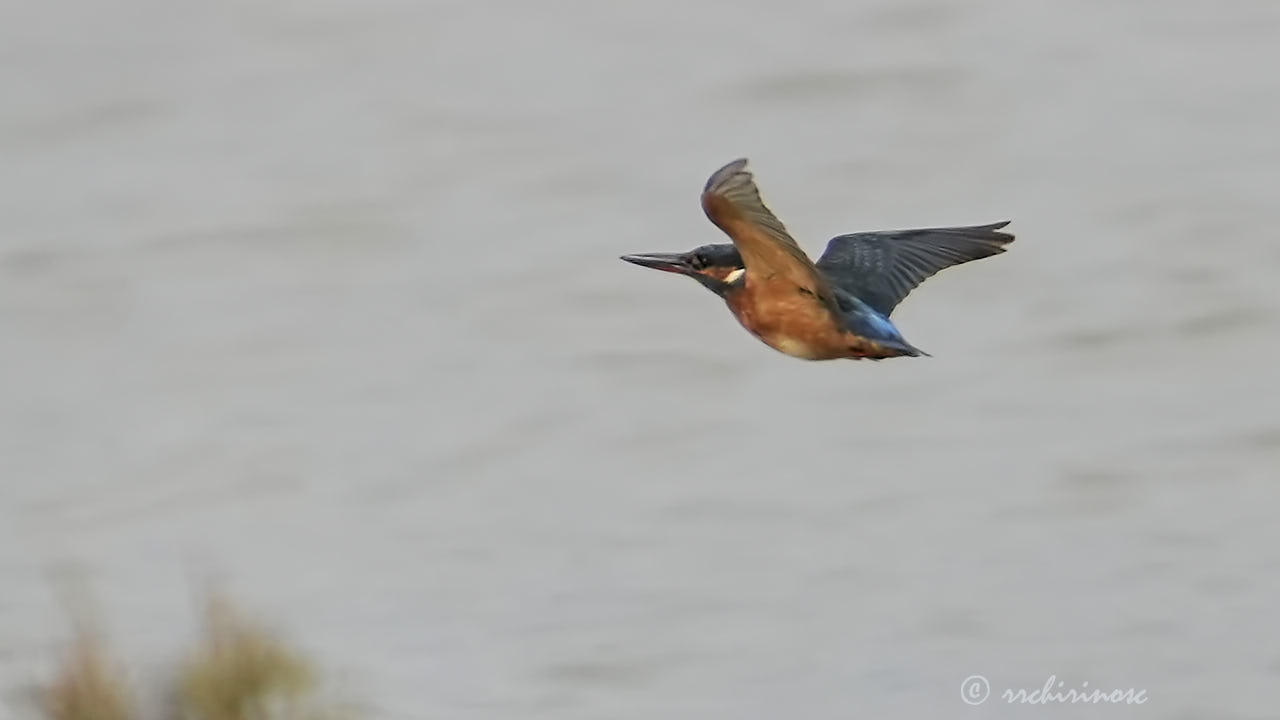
(698, 261)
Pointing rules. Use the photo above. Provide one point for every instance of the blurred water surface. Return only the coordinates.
(322, 300)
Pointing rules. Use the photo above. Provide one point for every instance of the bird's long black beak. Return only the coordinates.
(667, 262)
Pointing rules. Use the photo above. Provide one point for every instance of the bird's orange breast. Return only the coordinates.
(788, 320)
(798, 324)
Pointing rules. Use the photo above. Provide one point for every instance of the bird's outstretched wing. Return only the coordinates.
(732, 201)
(882, 267)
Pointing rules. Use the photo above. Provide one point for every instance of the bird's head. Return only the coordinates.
(718, 267)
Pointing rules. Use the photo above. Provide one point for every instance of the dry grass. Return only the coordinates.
(242, 673)
(87, 686)
(238, 671)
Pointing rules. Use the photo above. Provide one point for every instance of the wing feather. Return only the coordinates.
(882, 267)
(732, 201)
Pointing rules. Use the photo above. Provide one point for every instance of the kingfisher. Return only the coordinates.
(836, 308)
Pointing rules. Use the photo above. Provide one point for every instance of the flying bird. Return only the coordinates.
(836, 308)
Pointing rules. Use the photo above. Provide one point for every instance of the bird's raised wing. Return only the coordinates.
(882, 267)
(732, 201)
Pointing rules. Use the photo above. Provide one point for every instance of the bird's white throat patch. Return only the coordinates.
(732, 277)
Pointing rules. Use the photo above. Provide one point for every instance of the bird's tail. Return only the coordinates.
(910, 350)
(898, 348)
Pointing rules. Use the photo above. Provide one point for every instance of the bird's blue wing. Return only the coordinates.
(882, 267)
